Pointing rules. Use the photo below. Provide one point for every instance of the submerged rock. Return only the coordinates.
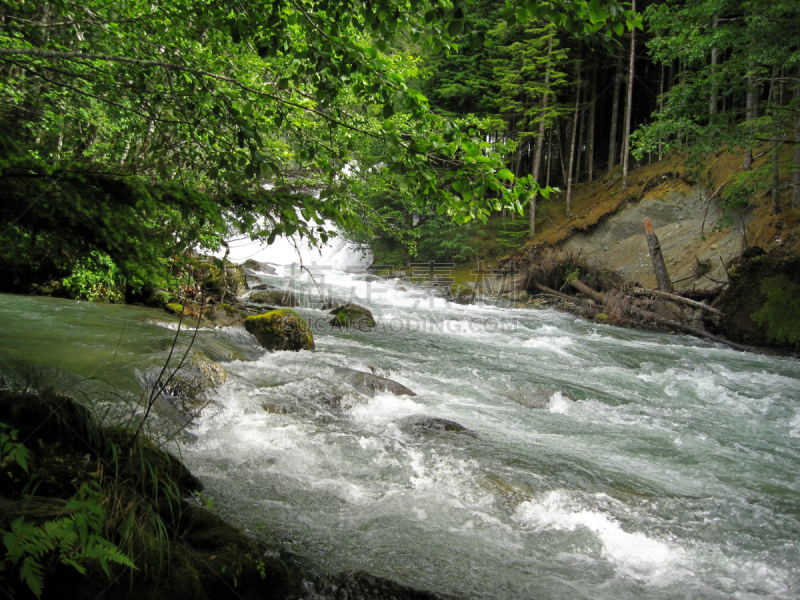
(352, 315)
(369, 384)
(281, 330)
(418, 423)
(363, 586)
(536, 397)
(274, 297)
(196, 376)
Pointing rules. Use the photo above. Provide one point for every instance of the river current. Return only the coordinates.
(598, 463)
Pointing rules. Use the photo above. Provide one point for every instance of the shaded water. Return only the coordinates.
(600, 462)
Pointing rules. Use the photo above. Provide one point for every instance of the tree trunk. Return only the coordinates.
(776, 167)
(712, 107)
(592, 114)
(550, 154)
(796, 173)
(612, 141)
(751, 111)
(661, 111)
(626, 139)
(659, 267)
(572, 140)
(537, 157)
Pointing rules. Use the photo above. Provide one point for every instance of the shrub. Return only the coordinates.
(781, 311)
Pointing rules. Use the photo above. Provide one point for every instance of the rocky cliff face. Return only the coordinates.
(684, 220)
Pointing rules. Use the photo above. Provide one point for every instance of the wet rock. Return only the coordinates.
(259, 267)
(461, 294)
(532, 398)
(187, 387)
(274, 297)
(252, 279)
(352, 315)
(421, 423)
(174, 309)
(369, 384)
(281, 330)
(225, 315)
(363, 586)
(220, 279)
(262, 287)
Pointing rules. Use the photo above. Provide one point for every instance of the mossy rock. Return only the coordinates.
(461, 294)
(281, 329)
(174, 309)
(220, 279)
(352, 315)
(225, 315)
(602, 318)
(274, 297)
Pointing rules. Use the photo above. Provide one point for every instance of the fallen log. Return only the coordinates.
(649, 316)
(560, 296)
(686, 301)
(584, 289)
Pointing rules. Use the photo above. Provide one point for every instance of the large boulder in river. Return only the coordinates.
(222, 279)
(225, 314)
(419, 423)
(281, 330)
(258, 267)
(352, 315)
(461, 294)
(274, 297)
(187, 385)
(369, 384)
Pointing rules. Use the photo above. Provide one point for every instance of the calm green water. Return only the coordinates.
(655, 466)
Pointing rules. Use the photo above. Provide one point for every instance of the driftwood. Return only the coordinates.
(621, 304)
(584, 289)
(659, 267)
(676, 298)
(646, 314)
(551, 292)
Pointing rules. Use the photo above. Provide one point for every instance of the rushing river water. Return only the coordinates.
(599, 462)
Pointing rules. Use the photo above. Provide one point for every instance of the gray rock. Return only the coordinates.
(274, 297)
(259, 267)
(369, 384)
(417, 423)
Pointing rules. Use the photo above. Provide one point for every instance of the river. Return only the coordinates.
(598, 463)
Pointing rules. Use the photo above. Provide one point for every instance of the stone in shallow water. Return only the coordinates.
(281, 330)
(419, 423)
(369, 384)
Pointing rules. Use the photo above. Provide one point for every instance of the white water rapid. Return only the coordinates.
(598, 463)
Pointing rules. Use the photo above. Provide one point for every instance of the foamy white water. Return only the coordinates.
(599, 462)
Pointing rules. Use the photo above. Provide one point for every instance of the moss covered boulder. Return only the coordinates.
(225, 314)
(461, 294)
(218, 278)
(352, 315)
(281, 330)
(274, 297)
